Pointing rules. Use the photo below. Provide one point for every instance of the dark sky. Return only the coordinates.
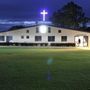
(30, 9)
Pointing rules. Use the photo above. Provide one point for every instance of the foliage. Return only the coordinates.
(17, 27)
(70, 15)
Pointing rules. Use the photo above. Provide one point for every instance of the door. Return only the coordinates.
(81, 41)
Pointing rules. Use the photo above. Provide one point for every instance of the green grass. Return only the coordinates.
(27, 69)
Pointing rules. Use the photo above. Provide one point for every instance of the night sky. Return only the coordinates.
(24, 10)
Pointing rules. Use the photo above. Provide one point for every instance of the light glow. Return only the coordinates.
(81, 41)
(43, 29)
(44, 13)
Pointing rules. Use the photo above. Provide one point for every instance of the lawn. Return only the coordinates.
(44, 69)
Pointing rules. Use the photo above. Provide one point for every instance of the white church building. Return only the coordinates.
(45, 35)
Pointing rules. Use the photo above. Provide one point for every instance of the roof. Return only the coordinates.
(22, 27)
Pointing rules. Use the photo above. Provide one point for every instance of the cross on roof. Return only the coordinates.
(44, 14)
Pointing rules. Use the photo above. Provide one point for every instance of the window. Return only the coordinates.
(51, 38)
(63, 38)
(27, 31)
(9, 38)
(49, 29)
(22, 37)
(37, 30)
(27, 37)
(38, 38)
(2, 38)
(59, 31)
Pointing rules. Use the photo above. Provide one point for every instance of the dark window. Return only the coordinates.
(51, 38)
(2, 38)
(59, 31)
(63, 38)
(27, 37)
(49, 29)
(27, 31)
(22, 37)
(9, 38)
(37, 30)
(38, 38)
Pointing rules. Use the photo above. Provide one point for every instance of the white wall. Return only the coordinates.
(54, 32)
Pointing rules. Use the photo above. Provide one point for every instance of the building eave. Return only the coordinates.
(44, 24)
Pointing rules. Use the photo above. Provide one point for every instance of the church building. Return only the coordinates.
(45, 35)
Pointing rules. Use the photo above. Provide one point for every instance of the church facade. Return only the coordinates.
(45, 35)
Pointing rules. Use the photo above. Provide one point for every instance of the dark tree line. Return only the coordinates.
(71, 15)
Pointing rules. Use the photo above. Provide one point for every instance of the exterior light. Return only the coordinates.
(43, 29)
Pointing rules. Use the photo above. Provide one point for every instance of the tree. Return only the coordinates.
(70, 15)
(17, 27)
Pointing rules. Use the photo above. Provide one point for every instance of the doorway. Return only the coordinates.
(81, 41)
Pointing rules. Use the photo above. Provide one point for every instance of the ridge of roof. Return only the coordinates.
(43, 24)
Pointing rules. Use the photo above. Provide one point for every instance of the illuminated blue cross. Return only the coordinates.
(44, 14)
